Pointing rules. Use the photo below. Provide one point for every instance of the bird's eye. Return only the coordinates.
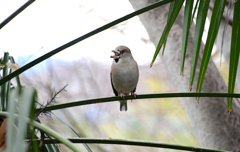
(122, 51)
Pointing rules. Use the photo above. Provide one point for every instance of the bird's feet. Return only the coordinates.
(122, 95)
(134, 94)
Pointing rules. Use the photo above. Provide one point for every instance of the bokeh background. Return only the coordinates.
(85, 68)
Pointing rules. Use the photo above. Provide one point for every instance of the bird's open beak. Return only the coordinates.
(117, 54)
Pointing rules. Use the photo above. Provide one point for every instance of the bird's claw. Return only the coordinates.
(122, 95)
(134, 94)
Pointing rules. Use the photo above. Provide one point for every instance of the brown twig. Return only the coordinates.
(54, 96)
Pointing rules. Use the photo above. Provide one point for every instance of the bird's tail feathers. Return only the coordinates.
(123, 105)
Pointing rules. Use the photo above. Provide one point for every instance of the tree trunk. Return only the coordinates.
(213, 125)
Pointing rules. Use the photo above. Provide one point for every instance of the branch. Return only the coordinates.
(142, 96)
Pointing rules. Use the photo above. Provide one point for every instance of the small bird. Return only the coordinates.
(124, 74)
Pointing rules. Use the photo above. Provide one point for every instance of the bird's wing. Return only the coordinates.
(114, 91)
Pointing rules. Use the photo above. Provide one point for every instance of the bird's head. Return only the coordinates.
(122, 52)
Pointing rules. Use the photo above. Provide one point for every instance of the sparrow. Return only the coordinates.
(124, 74)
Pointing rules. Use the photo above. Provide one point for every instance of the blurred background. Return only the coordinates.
(85, 68)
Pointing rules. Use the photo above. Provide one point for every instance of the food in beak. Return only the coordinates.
(115, 57)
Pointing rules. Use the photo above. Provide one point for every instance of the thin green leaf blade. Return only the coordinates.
(53, 134)
(177, 7)
(140, 96)
(139, 143)
(194, 11)
(73, 131)
(6, 21)
(217, 13)
(11, 122)
(234, 52)
(229, 12)
(8, 91)
(169, 14)
(51, 148)
(34, 145)
(200, 23)
(4, 86)
(186, 26)
(45, 129)
(24, 111)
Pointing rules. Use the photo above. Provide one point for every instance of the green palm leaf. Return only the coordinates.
(217, 13)
(201, 18)
(234, 52)
(177, 7)
(186, 26)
